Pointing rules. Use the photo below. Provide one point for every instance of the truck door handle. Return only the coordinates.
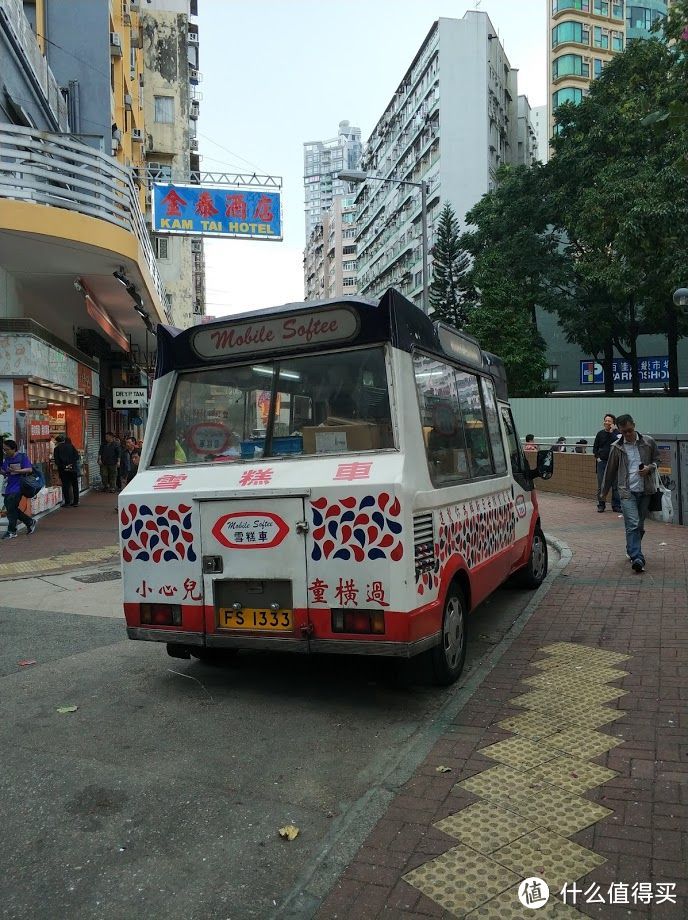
(302, 527)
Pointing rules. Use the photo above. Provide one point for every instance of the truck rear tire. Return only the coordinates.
(534, 571)
(449, 656)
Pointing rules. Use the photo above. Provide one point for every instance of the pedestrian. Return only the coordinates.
(66, 458)
(604, 439)
(560, 446)
(530, 443)
(633, 461)
(135, 459)
(108, 461)
(581, 446)
(129, 447)
(15, 464)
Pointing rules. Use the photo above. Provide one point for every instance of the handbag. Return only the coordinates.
(32, 483)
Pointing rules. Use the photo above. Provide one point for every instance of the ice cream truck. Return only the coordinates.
(328, 477)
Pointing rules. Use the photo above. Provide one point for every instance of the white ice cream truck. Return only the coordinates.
(332, 477)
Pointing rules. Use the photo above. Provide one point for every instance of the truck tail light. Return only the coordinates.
(358, 621)
(161, 614)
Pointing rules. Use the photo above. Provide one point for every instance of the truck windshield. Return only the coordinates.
(320, 404)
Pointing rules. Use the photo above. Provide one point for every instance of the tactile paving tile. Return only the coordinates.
(518, 752)
(506, 906)
(535, 799)
(572, 774)
(585, 695)
(461, 879)
(485, 827)
(567, 680)
(590, 654)
(583, 743)
(558, 860)
(535, 724)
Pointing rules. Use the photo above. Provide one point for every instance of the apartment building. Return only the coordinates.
(539, 116)
(171, 102)
(330, 255)
(584, 35)
(452, 123)
(70, 218)
(322, 162)
(528, 149)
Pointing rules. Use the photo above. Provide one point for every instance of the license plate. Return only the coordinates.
(256, 618)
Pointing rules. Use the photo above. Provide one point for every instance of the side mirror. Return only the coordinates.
(545, 465)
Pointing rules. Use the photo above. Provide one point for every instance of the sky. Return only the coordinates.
(279, 73)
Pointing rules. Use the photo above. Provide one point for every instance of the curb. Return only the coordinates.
(349, 832)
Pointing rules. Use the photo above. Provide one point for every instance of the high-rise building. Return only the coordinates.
(584, 35)
(541, 126)
(330, 256)
(74, 248)
(452, 123)
(322, 161)
(528, 153)
(171, 101)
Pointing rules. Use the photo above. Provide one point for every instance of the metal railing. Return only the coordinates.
(58, 171)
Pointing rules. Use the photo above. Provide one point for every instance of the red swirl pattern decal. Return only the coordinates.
(357, 529)
(158, 534)
(476, 530)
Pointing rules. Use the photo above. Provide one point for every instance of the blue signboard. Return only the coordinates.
(650, 370)
(198, 210)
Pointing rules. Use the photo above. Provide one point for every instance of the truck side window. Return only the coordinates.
(490, 403)
(475, 429)
(443, 429)
(519, 467)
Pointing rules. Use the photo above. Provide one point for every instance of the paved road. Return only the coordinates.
(162, 794)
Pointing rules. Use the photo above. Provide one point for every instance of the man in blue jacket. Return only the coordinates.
(15, 465)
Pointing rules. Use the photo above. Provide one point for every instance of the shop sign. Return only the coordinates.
(7, 408)
(84, 380)
(654, 369)
(197, 210)
(39, 431)
(129, 397)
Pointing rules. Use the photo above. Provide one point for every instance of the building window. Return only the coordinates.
(559, 5)
(601, 38)
(551, 373)
(617, 9)
(570, 65)
(568, 94)
(349, 266)
(349, 251)
(600, 7)
(168, 303)
(598, 67)
(349, 282)
(164, 109)
(617, 41)
(161, 247)
(570, 32)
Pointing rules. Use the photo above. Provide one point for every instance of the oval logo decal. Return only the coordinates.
(520, 506)
(250, 530)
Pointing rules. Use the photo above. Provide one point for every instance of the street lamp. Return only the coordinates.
(356, 177)
(681, 297)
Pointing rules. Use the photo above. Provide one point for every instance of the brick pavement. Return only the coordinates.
(65, 539)
(597, 602)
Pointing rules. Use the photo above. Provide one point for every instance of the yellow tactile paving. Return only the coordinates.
(506, 906)
(461, 879)
(572, 774)
(584, 652)
(558, 860)
(579, 742)
(519, 752)
(533, 800)
(55, 563)
(485, 827)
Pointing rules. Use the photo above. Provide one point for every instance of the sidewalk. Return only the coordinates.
(64, 539)
(569, 763)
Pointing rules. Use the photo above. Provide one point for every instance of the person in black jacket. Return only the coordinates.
(66, 459)
(600, 448)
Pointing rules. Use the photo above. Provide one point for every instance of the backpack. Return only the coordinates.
(32, 483)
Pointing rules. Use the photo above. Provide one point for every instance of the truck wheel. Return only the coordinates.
(534, 571)
(449, 656)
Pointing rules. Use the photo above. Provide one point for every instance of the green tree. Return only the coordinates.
(450, 265)
(618, 192)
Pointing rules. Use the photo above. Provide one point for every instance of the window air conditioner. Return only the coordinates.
(196, 245)
(137, 135)
(127, 102)
(115, 43)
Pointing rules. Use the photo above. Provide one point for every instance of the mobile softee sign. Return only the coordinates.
(198, 210)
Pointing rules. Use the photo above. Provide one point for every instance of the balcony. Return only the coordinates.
(68, 211)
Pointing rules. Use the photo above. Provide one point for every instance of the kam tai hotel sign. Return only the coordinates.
(198, 210)
(650, 370)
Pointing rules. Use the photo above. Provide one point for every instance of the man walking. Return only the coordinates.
(600, 448)
(633, 460)
(108, 461)
(15, 464)
(66, 459)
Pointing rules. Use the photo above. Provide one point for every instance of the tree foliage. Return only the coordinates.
(450, 264)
